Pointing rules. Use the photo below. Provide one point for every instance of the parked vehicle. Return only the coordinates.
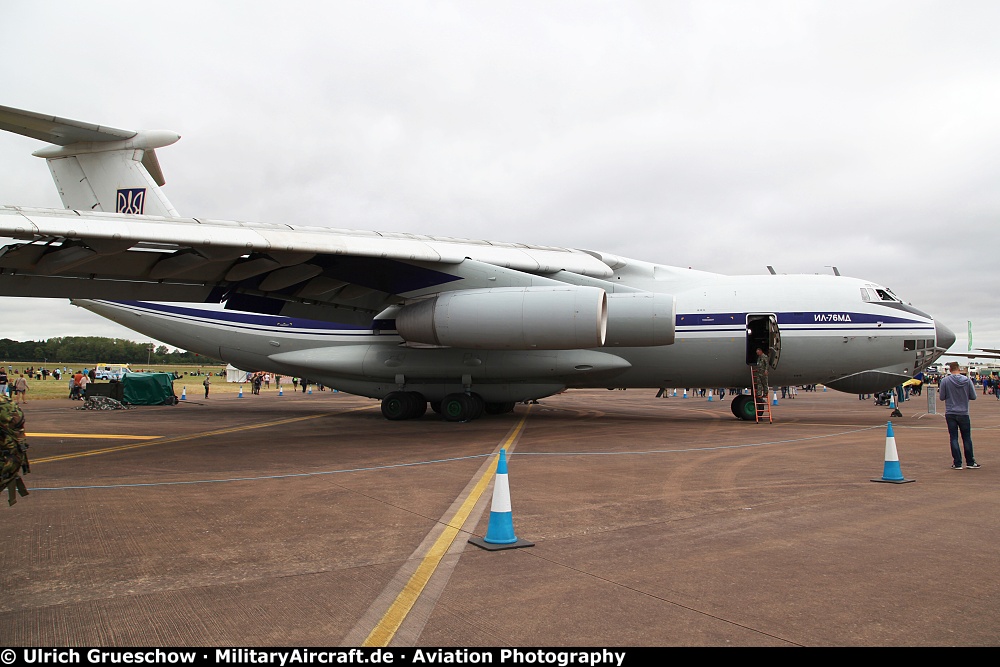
(110, 371)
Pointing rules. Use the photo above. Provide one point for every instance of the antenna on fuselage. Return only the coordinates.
(836, 271)
(771, 270)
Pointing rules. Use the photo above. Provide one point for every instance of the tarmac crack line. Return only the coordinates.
(255, 478)
(703, 449)
(422, 578)
(192, 436)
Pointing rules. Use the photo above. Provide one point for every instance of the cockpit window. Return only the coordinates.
(865, 296)
(885, 295)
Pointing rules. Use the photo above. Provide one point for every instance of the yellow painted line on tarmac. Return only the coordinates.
(193, 436)
(92, 436)
(387, 627)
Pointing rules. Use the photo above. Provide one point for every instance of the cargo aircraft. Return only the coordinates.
(463, 325)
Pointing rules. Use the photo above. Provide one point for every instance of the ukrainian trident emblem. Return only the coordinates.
(131, 201)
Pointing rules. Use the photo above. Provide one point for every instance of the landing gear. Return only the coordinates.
(457, 407)
(403, 405)
(462, 407)
(744, 408)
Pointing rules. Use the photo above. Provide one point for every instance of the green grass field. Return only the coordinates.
(51, 388)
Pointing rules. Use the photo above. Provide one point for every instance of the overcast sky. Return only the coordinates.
(725, 136)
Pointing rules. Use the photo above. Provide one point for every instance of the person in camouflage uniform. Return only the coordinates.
(13, 450)
(760, 377)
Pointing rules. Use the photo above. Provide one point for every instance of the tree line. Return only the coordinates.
(95, 350)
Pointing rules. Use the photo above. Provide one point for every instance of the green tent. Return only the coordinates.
(148, 389)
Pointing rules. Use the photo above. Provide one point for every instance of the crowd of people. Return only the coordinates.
(14, 381)
(14, 386)
(787, 391)
(262, 380)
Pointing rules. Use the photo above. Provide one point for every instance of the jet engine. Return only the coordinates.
(539, 318)
(509, 318)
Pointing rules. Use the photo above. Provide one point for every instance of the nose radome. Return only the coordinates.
(945, 336)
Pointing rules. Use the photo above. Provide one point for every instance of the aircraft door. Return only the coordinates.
(763, 332)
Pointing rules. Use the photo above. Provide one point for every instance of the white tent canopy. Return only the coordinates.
(234, 374)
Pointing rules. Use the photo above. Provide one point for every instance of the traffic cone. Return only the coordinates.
(675, 393)
(184, 393)
(685, 394)
(310, 391)
(774, 401)
(281, 390)
(892, 399)
(241, 392)
(891, 472)
(500, 531)
(709, 395)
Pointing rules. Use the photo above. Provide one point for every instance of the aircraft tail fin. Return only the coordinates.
(98, 168)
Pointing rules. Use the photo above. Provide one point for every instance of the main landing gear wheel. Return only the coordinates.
(461, 407)
(403, 405)
(743, 407)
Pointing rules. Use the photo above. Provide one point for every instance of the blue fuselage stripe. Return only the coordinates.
(724, 323)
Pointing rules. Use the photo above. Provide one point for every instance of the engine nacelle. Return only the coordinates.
(509, 318)
(641, 319)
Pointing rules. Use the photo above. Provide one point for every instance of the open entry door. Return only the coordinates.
(762, 332)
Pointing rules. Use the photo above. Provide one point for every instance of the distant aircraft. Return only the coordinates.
(467, 326)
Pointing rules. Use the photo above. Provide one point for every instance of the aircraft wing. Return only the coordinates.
(975, 354)
(296, 271)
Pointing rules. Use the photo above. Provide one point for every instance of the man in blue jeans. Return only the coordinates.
(956, 391)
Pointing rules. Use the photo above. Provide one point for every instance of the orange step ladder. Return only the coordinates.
(761, 407)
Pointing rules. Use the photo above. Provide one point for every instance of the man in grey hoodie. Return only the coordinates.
(956, 391)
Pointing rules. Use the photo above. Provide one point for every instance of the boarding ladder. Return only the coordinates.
(762, 404)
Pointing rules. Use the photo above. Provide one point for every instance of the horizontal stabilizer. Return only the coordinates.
(55, 130)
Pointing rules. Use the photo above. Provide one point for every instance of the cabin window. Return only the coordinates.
(921, 344)
(909, 345)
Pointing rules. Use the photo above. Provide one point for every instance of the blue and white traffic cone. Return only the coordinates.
(774, 401)
(891, 472)
(892, 400)
(310, 391)
(685, 394)
(500, 531)
(281, 390)
(709, 395)
(184, 393)
(241, 392)
(675, 393)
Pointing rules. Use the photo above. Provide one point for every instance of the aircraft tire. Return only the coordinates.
(478, 406)
(743, 408)
(461, 407)
(418, 405)
(397, 405)
(499, 408)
